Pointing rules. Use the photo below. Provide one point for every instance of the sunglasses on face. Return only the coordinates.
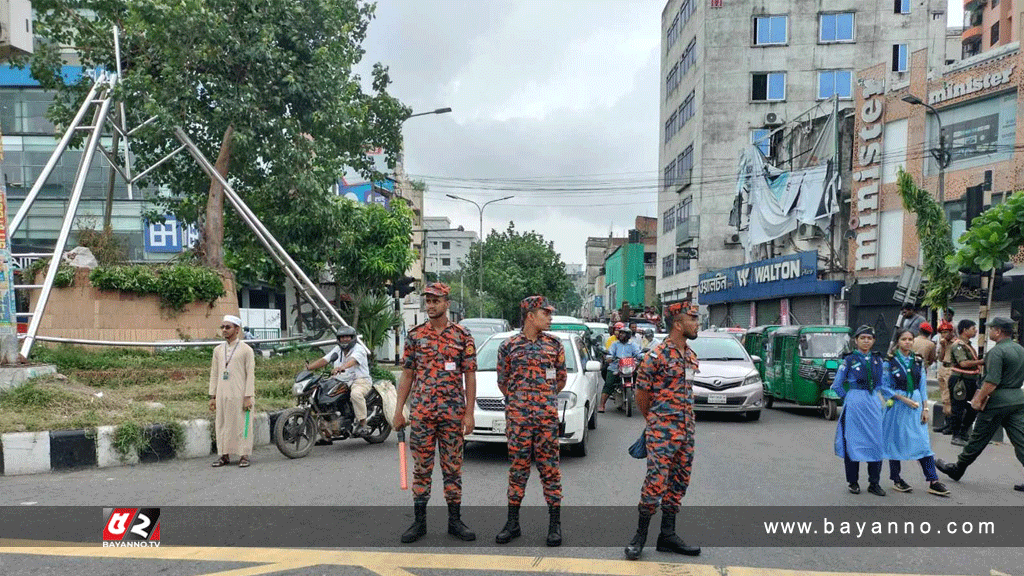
(226, 327)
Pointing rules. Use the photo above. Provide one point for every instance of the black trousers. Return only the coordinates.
(853, 471)
(962, 417)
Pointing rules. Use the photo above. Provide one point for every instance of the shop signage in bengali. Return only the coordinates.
(790, 275)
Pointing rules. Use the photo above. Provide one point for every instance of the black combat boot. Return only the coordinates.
(636, 545)
(554, 526)
(455, 524)
(511, 529)
(669, 542)
(419, 525)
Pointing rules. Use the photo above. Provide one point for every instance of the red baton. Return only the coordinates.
(402, 474)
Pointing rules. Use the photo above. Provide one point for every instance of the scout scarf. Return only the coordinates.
(907, 362)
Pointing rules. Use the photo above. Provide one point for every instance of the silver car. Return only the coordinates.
(727, 380)
(482, 328)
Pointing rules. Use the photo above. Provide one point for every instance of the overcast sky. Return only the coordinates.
(559, 96)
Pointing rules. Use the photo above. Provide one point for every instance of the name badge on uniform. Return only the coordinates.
(688, 373)
(449, 366)
(225, 377)
(549, 373)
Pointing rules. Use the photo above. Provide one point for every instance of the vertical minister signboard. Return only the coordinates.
(867, 171)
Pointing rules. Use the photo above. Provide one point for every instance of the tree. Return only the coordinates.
(375, 315)
(994, 237)
(268, 84)
(517, 265)
(935, 236)
(370, 249)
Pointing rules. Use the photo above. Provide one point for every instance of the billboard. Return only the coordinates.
(354, 187)
(977, 133)
(170, 237)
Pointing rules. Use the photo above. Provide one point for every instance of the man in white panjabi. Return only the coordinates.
(232, 388)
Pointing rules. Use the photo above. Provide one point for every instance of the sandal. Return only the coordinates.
(243, 462)
(222, 461)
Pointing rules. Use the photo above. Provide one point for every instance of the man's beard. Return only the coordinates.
(436, 315)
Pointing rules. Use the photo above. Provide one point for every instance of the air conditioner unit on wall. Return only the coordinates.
(732, 239)
(808, 232)
(15, 28)
(773, 119)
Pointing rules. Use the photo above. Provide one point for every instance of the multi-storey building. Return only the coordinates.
(731, 73)
(446, 249)
(988, 24)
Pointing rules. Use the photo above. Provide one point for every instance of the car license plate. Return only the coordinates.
(498, 426)
(716, 398)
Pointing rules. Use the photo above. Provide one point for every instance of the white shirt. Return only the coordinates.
(358, 353)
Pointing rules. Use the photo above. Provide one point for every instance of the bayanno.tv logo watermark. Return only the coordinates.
(131, 527)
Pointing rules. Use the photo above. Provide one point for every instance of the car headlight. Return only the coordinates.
(752, 379)
(567, 398)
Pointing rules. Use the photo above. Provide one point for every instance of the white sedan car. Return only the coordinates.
(577, 402)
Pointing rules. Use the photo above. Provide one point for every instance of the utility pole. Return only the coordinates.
(481, 209)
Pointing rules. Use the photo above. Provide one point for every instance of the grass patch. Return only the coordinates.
(117, 387)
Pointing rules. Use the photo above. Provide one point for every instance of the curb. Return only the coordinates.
(66, 450)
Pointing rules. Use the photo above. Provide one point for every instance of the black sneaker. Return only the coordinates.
(938, 488)
(854, 488)
(901, 486)
(876, 490)
(947, 431)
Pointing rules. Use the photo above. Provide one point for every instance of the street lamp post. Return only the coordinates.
(941, 154)
(481, 209)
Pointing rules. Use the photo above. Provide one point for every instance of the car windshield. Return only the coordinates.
(823, 344)
(487, 355)
(481, 330)
(722, 349)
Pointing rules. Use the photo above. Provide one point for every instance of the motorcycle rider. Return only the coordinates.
(648, 339)
(352, 360)
(622, 348)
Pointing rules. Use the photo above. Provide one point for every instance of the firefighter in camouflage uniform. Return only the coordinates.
(531, 373)
(439, 356)
(664, 395)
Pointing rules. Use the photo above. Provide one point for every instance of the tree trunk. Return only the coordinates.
(213, 231)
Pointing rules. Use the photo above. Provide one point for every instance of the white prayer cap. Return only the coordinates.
(233, 319)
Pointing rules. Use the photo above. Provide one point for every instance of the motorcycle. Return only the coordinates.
(625, 390)
(324, 412)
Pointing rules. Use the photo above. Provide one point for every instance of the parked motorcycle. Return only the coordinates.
(324, 412)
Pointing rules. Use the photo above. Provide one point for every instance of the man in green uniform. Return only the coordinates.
(999, 402)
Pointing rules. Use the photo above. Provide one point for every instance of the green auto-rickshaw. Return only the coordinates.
(801, 363)
(756, 342)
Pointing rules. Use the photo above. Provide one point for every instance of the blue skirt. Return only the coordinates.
(903, 434)
(859, 432)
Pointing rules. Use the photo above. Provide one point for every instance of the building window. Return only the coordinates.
(901, 7)
(835, 82)
(768, 87)
(670, 127)
(668, 220)
(673, 33)
(689, 58)
(446, 245)
(667, 268)
(770, 30)
(446, 261)
(760, 137)
(672, 81)
(682, 263)
(900, 57)
(686, 12)
(684, 166)
(836, 27)
(687, 109)
(670, 174)
(994, 35)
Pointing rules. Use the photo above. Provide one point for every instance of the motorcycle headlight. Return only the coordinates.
(299, 387)
(752, 379)
(567, 398)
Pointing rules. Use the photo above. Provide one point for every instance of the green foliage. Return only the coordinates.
(995, 236)
(370, 249)
(65, 273)
(175, 434)
(26, 396)
(279, 74)
(377, 316)
(128, 437)
(935, 236)
(176, 285)
(378, 373)
(517, 265)
(104, 245)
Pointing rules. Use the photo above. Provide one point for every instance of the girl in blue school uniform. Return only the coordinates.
(859, 380)
(904, 426)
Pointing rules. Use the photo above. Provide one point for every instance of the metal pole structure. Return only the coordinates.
(261, 231)
(124, 120)
(988, 284)
(99, 120)
(481, 209)
(52, 162)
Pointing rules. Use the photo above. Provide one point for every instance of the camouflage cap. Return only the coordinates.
(437, 289)
(535, 303)
(684, 307)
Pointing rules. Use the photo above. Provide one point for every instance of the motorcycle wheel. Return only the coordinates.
(294, 433)
(382, 430)
(629, 403)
